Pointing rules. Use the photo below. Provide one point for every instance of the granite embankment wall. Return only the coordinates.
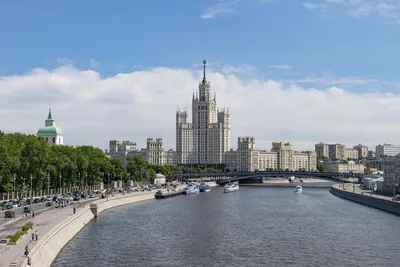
(48, 247)
(371, 201)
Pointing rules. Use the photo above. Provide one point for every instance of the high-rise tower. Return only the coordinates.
(206, 139)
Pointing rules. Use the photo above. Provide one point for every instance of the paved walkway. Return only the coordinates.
(44, 221)
(355, 188)
(13, 255)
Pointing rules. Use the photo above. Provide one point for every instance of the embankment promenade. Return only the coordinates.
(50, 244)
(366, 197)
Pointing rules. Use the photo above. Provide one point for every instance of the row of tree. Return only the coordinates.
(27, 161)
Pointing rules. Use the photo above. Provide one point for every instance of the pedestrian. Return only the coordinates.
(26, 251)
(33, 236)
(37, 235)
(33, 214)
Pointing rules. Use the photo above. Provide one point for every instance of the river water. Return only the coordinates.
(252, 227)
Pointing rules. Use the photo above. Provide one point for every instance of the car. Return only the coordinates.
(9, 214)
(27, 209)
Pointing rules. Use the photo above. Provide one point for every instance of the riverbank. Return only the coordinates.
(51, 242)
(365, 197)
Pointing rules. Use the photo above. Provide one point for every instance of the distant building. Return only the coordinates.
(322, 150)
(345, 167)
(153, 153)
(362, 151)
(249, 158)
(205, 140)
(351, 153)
(386, 150)
(50, 132)
(391, 168)
(371, 154)
(330, 151)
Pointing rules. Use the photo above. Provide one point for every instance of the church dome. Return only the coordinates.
(49, 130)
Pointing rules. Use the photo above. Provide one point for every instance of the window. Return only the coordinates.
(47, 139)
(54, 140)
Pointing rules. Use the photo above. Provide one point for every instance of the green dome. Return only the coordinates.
(49, 130)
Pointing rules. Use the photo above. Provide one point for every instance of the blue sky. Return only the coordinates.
(121, 34)
(350, 44)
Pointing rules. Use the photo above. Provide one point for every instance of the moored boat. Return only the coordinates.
(191, 189)
(204, 187)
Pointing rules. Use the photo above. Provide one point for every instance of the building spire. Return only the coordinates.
(204, 71)
(49, 117)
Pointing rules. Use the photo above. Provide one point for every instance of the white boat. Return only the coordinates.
(191, 189)
(231, 187)
(299, 188)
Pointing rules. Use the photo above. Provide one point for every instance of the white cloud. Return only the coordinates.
(228, 7)
(93, 63)
(309, 5)
(222, 8)
(359, 9)
(281, 67)
(133, 106)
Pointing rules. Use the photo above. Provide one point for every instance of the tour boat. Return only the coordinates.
(299, 189)
(204, 187)
(231, 187)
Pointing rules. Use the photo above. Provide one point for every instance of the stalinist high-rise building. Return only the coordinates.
(205, 140)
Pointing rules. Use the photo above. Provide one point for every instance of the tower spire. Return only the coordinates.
(204, 71)
(49, 117)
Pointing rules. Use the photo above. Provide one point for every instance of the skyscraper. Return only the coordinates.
(205, 140)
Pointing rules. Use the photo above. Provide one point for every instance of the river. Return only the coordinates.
(252, 227)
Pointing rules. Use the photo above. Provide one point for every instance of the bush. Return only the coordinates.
(28, 226)
(16, 236)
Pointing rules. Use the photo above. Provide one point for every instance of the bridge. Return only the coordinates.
(224, 177)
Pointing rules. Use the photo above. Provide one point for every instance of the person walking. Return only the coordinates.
(33, 236)
(37, 235)
(26, 251)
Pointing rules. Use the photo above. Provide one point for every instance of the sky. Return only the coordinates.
(289, 70)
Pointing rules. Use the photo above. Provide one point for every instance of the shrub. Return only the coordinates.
(16, 236)
(28, 226)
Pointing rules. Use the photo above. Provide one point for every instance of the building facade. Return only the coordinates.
(153, 153)
(391, 169)
(281, 157)
(386, 150)
(330, 151)
(345, 167)
(205, 140)
(362, 151)
(50, 132)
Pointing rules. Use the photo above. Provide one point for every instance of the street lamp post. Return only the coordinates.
(394, 187)
(48, 183)
(15, 177)
(60, 183)
(30, 194)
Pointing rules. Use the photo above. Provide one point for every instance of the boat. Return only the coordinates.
(204, 187)
(299, 188)
(191, 189)
(231, 187)
(160, 194)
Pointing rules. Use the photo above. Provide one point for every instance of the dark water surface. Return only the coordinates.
(252, 227)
